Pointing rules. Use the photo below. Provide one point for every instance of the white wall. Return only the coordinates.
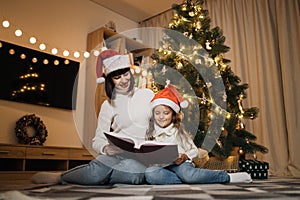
(63, 24)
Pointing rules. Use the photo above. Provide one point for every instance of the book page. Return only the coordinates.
(147, 152)
(137, 143)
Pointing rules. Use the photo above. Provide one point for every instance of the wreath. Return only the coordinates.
(37, 124)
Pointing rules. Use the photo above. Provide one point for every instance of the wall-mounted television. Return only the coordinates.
(34, 77)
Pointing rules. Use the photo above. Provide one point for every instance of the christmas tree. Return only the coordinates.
(191, 58)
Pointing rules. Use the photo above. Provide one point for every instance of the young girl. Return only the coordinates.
(127, 110)
(166, 126)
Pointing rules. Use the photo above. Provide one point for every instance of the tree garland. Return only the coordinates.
(37, 124)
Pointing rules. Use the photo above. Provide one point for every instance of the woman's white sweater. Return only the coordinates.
(128, 114)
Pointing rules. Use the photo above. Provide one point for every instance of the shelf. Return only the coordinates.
(45, 165)
(11, 164)
(131, 45)
(41, 158)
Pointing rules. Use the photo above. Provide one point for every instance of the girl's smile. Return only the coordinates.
(162, 115)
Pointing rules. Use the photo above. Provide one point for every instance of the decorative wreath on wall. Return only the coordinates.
(21, 130)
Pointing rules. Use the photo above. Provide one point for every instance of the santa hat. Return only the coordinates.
(109, 61)
(169, 97)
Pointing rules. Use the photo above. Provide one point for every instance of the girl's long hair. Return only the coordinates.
(110, 86)
(182, 135)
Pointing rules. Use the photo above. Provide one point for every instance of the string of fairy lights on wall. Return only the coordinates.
(66, 53)
(43, 46)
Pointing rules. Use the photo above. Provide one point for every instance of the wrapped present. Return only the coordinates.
(259, 174)
(229, 164)
(257, 169)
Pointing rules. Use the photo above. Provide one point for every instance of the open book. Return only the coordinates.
(147, 152)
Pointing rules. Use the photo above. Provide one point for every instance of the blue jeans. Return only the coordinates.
(184, 173)
(106, 170)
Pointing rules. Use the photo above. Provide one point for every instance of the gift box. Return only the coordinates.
(257, 169)
(230, 164)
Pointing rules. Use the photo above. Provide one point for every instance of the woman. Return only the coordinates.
(127, 111)
(165, 126)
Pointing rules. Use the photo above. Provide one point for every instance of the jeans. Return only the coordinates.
(106, 170)
(184, 173)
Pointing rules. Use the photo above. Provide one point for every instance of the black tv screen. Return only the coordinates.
(34, 77)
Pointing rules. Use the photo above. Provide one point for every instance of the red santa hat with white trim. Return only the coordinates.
(169, 97)
(109, 61)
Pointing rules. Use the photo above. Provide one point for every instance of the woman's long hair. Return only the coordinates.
(110, 86)
(182, 135)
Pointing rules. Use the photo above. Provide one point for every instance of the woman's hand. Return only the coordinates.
(112, 150)
(181, 158)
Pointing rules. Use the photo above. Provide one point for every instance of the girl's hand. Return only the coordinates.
(181, 158)
(112, 150)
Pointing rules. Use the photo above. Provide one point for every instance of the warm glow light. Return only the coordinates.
(67, 62)
(22, 56)
(86, 54)
(66, 53)
(32, 40)
(18, 33)
(42, 46)
(56, 62)
(144, 73)
(228, 116)
(34, 60)
(11, 51)
(54, 51)
(45, 61)
(137, 70)
(5, 24)
(76, 54)
(96, 53)
(132, 71)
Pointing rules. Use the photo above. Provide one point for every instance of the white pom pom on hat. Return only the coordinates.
(183, 103)
(100, 80)
(109, 61)
(169, 97)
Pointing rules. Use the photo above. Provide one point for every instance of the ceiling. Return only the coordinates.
(137, 10)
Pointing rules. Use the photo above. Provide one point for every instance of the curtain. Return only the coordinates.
(264, 39)
(151, 37)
